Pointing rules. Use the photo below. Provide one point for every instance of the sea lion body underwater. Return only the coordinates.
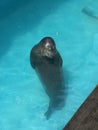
(47, 62)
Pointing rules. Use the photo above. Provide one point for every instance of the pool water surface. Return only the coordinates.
(23, 100)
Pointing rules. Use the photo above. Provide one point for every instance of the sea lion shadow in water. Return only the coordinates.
(47, 62)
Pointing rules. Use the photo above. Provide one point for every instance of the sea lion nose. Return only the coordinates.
(50, 48)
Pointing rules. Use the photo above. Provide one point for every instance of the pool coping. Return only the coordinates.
(86, 117)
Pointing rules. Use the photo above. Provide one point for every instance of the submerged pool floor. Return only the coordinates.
(22, 97)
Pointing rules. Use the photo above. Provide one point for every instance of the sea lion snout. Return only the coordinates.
(49, 47)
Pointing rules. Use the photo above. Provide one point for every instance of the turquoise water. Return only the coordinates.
(22, 97)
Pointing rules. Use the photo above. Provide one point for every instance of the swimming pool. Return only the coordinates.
(23, 100)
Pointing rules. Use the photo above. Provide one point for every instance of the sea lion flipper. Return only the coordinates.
(49, 112)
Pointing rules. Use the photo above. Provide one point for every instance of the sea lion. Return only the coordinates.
(47, 62)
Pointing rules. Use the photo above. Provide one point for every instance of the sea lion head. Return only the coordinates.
(48, 47)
